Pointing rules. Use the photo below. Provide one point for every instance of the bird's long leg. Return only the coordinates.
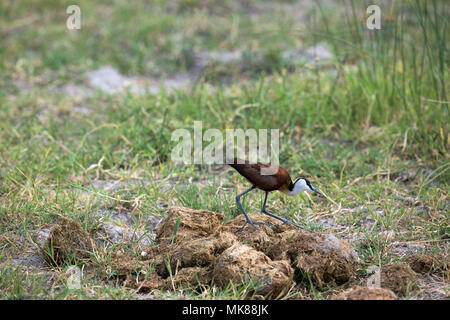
(264, 210)
(248, 220)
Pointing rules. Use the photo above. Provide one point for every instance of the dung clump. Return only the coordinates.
(67, 243)
(364, 293)
(196, 252)
(324, 257)
(191, 223)
(194, 249)
(188, 277)
(262, 239)
(421, 263)
(242, 264)
(125, 263)
(191, 277)
(398, 277)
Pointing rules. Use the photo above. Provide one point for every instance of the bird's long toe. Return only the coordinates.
(255, 225)
(265, 223)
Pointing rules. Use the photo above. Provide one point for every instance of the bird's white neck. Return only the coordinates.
(299, 186)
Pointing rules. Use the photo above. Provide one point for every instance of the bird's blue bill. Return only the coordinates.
(316, 191)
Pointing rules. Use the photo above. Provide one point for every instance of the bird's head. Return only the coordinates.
(302, 184)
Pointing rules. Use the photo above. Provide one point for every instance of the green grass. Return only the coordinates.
(370, 127)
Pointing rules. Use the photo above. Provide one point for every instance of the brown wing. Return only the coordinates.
(265, 176)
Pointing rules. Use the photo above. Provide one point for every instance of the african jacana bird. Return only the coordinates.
(280, 180)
